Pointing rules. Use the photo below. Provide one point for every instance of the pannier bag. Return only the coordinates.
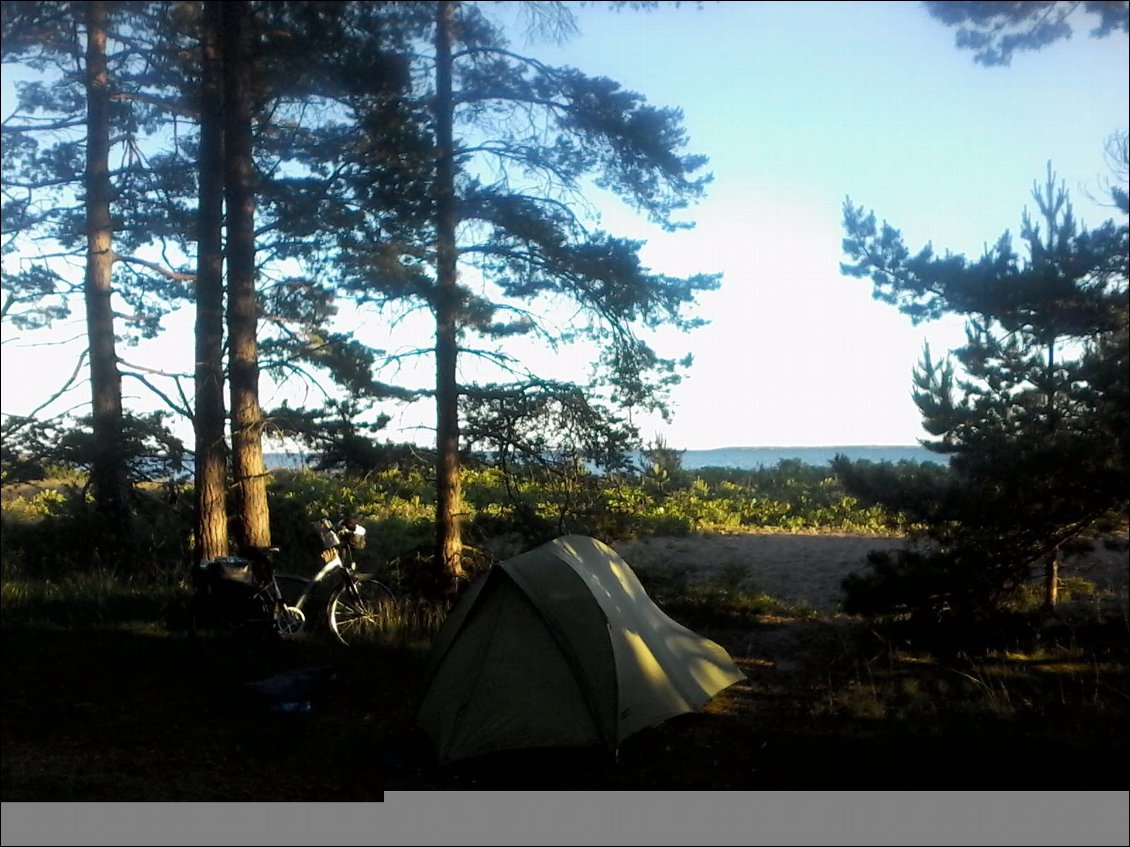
(225, 568)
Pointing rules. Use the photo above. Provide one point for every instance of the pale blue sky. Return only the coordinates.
(798, 105)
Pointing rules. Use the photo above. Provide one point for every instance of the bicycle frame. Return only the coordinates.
(292, 626)
(328, 568)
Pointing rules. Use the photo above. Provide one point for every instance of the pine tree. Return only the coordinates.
(158, 114)
(497, 235)
(996, 29)
(210, 489)
(1031, 408)
(75, 115)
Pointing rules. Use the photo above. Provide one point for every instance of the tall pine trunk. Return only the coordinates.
(1051, 564)
(108, 477)
(211, 528)
(1051, 580)
(449, 507)
(252, 515)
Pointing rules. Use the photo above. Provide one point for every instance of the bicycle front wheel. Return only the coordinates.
(361, 609)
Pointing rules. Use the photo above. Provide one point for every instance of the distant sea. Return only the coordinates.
(741, 458)
(751, 458)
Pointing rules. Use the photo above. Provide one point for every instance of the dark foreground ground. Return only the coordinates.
(137, 714)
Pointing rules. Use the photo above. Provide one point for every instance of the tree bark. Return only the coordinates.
(252, 514)
(449, 541)
(1051, 580)
(211, 528)
(108, 477)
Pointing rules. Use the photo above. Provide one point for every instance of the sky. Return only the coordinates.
(797, 105)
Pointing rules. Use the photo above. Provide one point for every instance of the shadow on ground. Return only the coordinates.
(125, 715)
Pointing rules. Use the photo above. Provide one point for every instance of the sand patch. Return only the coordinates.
(808, 569)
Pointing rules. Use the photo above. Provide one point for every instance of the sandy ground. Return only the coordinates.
(808, 569)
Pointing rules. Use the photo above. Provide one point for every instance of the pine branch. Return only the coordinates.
(176, 276)
(144, 380)
(47, 127)
(71, 380)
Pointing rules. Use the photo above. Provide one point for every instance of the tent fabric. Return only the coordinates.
(561, 646)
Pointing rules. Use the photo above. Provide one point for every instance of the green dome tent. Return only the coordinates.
(562, 647)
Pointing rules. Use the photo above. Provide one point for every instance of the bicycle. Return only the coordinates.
(240, 602)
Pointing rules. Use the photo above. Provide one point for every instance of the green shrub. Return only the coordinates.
(61, 532)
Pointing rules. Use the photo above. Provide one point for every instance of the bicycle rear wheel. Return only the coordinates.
(291, 587)
(291, 620)
(361, 609)
(228, 623)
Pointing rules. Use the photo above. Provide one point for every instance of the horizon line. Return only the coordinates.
(918, 446)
